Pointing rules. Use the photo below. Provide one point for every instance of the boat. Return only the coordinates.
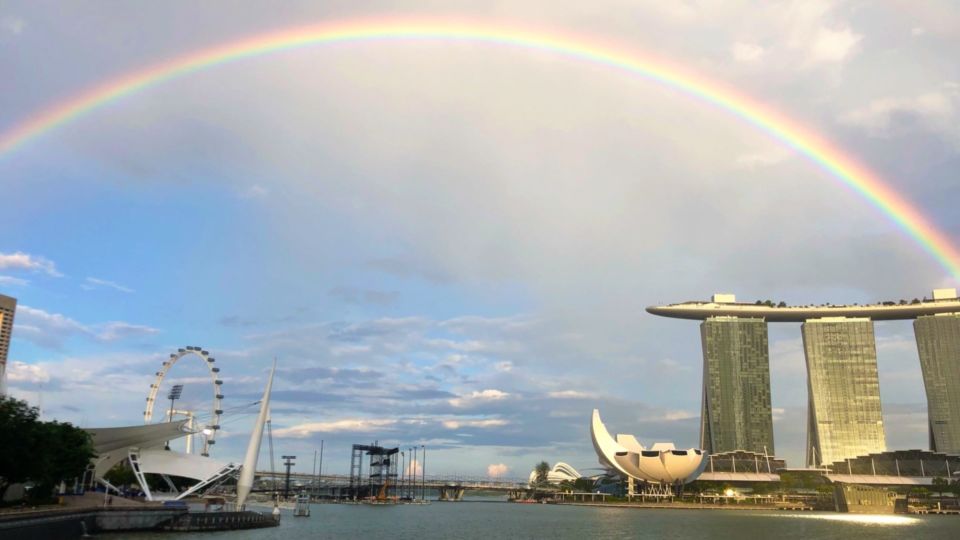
(302, 506)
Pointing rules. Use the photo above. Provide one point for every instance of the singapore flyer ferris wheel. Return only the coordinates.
(213, 425)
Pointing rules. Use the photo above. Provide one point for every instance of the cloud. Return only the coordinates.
(833, 45)
(475, 397)
(24, 261)
(12, 25)
(935, 111)
(254, 191)
(45, 329)
(348, 425)
(52, 330)
(117, 330)
(756, 160)
(12, 281)
(352, 295)
(92, 283)
(20, 372)
(485, 423)
(746, 52)
(570, 394)
(497, 469)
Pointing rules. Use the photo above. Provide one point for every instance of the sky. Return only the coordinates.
(452, 244)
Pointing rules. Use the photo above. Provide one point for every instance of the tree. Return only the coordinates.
(121, 475)
(18, 423)
(542, 469)
(42, 452)
(941, 485)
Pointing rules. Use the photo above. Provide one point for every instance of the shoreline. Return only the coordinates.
(685, 506)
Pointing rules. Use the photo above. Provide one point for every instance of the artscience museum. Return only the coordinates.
(661, 469)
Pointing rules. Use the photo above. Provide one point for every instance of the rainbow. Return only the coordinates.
(822, 152)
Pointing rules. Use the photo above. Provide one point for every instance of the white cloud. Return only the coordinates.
(832, 46)
(12, 281)
(92, 283)
(672, 416)
(746, 52)
(918, 31)
(766, 158)
(497, 469)
(53, 329)
(570, 394)
(20, 372)
(489, 394)
(504, 367)
(484, 423)
(255, 191)
(12, 25)
(936, 110)
(24, 261)
(347, 425)
(414, 468)
(117, 330)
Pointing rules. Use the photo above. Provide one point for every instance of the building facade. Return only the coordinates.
(736, 408)
(938, 342)
(8, 306)
(844, 415)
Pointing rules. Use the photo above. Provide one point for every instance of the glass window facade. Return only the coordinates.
(8, 307)
(736, 412)
(844, 416)
(938, 342)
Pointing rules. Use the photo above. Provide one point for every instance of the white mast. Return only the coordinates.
(245, 483)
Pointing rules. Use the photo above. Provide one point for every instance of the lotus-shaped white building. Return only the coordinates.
(660, 464)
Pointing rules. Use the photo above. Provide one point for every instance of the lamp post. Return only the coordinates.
(174, 395)
(288, 462)
(423, 473)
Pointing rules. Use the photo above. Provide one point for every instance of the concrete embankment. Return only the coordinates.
(72, 523)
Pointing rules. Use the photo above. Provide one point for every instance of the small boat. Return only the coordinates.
(302, 507)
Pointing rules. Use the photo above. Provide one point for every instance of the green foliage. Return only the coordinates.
(542, 469)
(121, 475)
(41, 452)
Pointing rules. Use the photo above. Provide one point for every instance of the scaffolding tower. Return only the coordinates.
(381, 478)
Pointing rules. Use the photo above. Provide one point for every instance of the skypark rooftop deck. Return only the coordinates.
(888, 311)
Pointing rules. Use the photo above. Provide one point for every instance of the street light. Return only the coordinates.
(288, 461)
(174, 395)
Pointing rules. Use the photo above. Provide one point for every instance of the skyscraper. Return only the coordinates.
(8, 306)
(938, 342)
(844, 416)
(736, 411)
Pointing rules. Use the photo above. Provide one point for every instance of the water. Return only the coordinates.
(489, 520)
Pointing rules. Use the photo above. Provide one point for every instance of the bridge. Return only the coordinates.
(448, 486)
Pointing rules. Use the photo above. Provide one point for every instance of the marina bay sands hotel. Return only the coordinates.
(844, 419)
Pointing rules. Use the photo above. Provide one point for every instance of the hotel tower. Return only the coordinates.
(8, 306)
(844, 417)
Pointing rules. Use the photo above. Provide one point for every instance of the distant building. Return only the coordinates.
(8, 306)
(561, 472)
(938, 342)
(844, 416)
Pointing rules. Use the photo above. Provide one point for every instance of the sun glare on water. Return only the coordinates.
(865, 519)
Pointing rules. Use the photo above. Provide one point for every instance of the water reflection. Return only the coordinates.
(865, 519)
